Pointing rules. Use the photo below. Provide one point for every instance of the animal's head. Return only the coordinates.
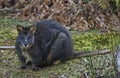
(25, 36)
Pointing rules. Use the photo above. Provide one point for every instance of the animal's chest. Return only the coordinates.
(27, 56)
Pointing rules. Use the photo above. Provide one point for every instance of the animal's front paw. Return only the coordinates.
(29, 63)
(23, 67)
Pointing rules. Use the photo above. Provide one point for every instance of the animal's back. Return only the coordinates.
(54, 25)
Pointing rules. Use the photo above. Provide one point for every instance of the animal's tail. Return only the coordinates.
(87, 53)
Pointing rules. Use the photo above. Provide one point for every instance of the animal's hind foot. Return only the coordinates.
(35, 68)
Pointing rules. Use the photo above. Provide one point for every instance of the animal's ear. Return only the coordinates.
(32, 29)
(19, 28)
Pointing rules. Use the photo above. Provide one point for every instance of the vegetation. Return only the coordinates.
(79, 15)
(101, 66)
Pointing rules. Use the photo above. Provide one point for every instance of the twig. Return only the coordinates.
(7, 10)
(6, 47)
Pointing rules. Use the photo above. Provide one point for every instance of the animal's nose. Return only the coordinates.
(25, 44)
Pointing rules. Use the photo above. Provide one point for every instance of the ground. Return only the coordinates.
(99, 66)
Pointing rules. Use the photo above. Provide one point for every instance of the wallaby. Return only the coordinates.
(43, 43)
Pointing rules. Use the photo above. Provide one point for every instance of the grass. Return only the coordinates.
(99, 66)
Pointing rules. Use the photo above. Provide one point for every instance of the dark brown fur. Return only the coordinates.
(45, 42)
